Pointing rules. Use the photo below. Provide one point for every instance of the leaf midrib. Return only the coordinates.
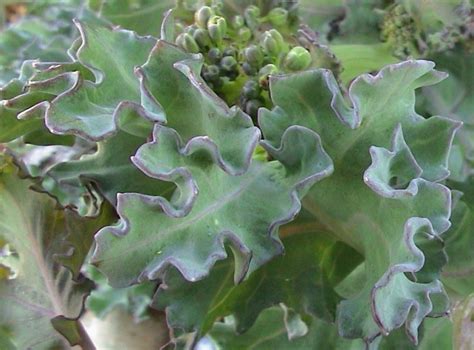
(198, 217)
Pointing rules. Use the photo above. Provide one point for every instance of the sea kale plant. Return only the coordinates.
(248, 174)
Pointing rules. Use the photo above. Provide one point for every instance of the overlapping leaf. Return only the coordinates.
(109, 169)
(78, 176)
(45, 34)
(172, 78)
(209, 209)
(105, 299)
(92, 109)
(454, 98)
(25, 99)
(73, 179)
(272, 331)
(302, 279)
(41, 299)
(391, 210)
(15, 101)
(29, 39)
(275, 325)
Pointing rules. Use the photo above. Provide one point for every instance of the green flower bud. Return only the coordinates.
(187, 42)
(252, 11)
(202, 16)
(238, 22)
(245, 34)
(297, 59)
(201, 36)
(190, 44)
(252, 107)
(264, 74)
(272, 42)
(211, 73)
(214, 55)
(215, 34)
(191, 29)
(249, 69)
(269, 45)
(277, 36)
(253, 55)
(220, 22)
(228, 63)
(217, 27)
(278, 16)
(180, 40)
(398, 22)
(230, 51)
(179, 27)
(251, 89)
(251, 15)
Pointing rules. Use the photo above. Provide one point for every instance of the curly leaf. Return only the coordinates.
(208, 209)
(302, 279)
(109, 170)
(27, 97)
(272, 331)
(36, 161)
(40, 299)
(30, 38)
(12, 128)
(14, 101)
(172, 78)
(393, 204)
(92, 109)
(454, 98)
(45, 33)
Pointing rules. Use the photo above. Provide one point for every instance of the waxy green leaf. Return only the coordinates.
(208, 209)
(303, 279)
(172, 78)
(109, 170)
(389, 210)
(275, 325)
(92, 108)
(41, 299)
(274, 329)
(454, 98)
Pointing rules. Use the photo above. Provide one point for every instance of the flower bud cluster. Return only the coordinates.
(242, 51)
(411, 34)
(399, 31)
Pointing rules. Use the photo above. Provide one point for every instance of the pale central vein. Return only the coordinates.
(199, 216)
